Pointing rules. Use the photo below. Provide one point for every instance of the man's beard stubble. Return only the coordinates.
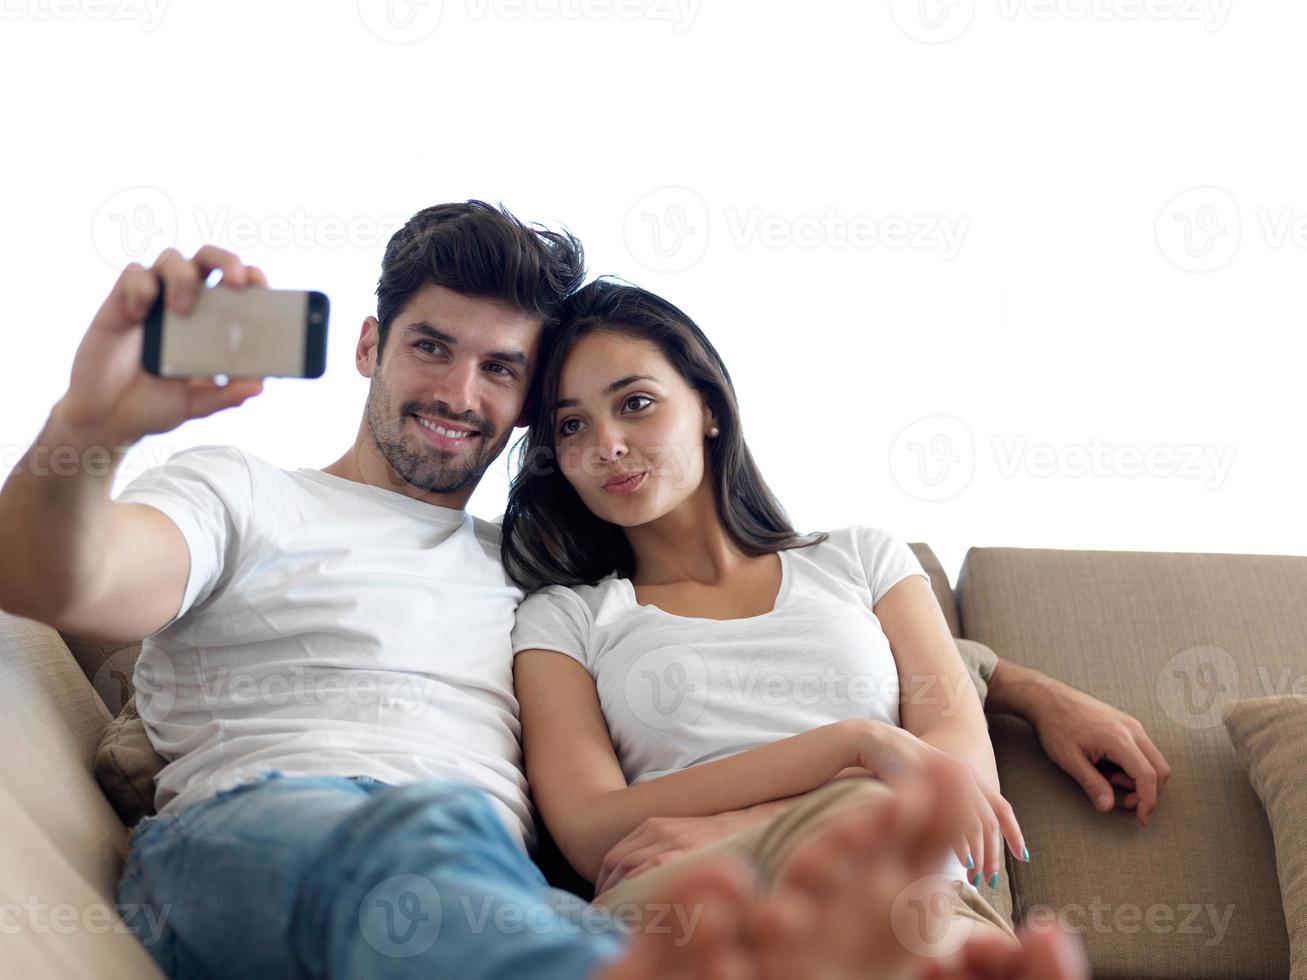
(431, 470)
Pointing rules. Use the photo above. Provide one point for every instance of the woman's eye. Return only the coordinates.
(633, 403)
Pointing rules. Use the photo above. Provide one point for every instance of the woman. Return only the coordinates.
(691, 671)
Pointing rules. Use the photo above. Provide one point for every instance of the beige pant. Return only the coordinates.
(769, 846)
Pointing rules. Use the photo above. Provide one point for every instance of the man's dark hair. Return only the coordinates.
(478, 250)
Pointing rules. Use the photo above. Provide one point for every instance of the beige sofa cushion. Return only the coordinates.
(126, 765)
(1169, 638)
(980, 661)
(50, 725)
(57, 924)
(1270, 737)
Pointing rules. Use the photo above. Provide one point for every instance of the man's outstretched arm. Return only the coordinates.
(73, 558)
(1078, 732)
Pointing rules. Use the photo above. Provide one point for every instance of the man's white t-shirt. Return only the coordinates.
(681, 691)
(328, 627)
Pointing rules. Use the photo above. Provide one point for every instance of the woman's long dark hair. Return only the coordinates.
(550, 536)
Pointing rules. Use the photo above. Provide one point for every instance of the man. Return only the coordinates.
(326, 664)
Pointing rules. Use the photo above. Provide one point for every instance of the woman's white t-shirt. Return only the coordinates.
(680, 691)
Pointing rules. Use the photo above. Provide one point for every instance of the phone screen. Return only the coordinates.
(237, 332)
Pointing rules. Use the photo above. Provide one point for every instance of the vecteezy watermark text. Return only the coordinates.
(935, 458)
(668, 229)
(97, 918)
(147, 13)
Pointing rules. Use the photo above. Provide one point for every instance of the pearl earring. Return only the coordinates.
(713, 432)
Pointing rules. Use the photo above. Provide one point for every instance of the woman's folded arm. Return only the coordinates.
(582, 794)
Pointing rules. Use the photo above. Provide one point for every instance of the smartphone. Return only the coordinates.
(239, 333)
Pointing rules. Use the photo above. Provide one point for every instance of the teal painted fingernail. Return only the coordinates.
(993, 882)
(1026, 853)
(976, 880)
(970, 863)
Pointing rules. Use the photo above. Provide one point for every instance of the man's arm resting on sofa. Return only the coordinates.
(1079, 732)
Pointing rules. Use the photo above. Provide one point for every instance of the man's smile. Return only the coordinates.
(445, 435)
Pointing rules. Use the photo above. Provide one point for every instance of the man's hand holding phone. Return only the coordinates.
(76, 559)
(111, 400)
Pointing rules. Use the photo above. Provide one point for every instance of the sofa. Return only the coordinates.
(1196, 894)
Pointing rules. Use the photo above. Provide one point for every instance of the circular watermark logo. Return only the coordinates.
(401, 916)
(400, 21)
(932, 21)
(1196, 684)
(1199, 229)
(113, 679)
(156, 685)
(924, 921)
(134, 225)
(667, 229)
(150, 677)
(667, 688)
(934, 458)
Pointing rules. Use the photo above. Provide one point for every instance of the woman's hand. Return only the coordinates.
(892, 753)
(659, 839)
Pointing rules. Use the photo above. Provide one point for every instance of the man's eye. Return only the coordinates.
(424, 344)
(637, 398)
(506, 372)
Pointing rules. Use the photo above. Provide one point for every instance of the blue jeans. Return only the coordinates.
(327, 876)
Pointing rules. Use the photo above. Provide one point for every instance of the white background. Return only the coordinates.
(1003, 272)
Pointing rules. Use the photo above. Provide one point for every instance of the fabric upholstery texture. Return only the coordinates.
(1270, 737)
(58, 924)
(1170, 639)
